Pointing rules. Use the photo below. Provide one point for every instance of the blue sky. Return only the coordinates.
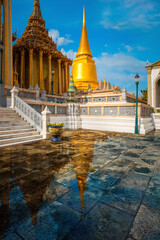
(123, 34)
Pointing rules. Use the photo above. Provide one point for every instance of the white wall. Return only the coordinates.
(156, 120)
(154, 75)
(126, 125)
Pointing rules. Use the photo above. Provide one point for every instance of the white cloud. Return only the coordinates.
(128, 48)
(120, 69)
(140, 48)
(127, 14)
(70, 54)
(59, 40)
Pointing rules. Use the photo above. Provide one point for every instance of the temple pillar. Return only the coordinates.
(41, 70)
(59, 76)
(62, 77)
(0, 20)
(68, 76)
(22, 82)
(31, 68)
(7, 32)
(65, 76)
(49, 73)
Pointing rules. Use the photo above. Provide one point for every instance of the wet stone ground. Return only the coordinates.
(91, 186)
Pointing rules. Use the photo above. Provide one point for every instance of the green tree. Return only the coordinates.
(144, 94)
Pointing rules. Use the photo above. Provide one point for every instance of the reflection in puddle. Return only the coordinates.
(27, 177)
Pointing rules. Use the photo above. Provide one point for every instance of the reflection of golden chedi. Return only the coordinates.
(84, 68)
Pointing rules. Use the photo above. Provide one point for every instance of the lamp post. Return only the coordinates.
(136, 119)
(52, 81)
(1, 53)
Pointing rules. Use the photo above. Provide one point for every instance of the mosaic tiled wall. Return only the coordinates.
(127, 111)
(95, 111)
(50, 99)
(28, 95)
(61, 110)
(112, 99)
(146, 112)
(111, 111)
(38, 108)
(51, 109)
(102, 99)
(84, 111)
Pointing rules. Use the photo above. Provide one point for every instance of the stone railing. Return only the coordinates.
(116, 110)
(22, 92)
(54, 108)
(35, 119)
(108, 97)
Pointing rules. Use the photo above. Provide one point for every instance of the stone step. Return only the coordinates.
(6, 109)
(19, 139)
(17, 135)
(20, 142)
(16, 131)
(16, 127)
(10, 118)
(9, 123)
(8, 113)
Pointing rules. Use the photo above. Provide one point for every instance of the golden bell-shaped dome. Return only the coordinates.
(84, 68)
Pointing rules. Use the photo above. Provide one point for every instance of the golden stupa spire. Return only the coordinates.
(36, 10)
(84, 48)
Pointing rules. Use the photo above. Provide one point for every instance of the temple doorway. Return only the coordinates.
(158, 93)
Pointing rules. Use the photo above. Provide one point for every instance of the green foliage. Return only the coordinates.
(144, 94)
(55, 125)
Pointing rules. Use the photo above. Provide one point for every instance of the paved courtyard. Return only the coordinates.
(91, 186)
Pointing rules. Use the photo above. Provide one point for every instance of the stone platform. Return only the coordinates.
(93, 185)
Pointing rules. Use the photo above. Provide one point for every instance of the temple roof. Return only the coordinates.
(84, 48)
(36, 36)
(153, 64)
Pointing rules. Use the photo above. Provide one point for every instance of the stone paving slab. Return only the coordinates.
(54, 221)
(146, 225)
(103, 223)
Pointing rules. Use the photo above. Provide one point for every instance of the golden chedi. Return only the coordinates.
(84, 68)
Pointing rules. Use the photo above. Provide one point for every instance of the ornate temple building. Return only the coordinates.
(84, 68)
(37, 60)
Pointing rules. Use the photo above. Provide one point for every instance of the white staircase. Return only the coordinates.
(15, 130)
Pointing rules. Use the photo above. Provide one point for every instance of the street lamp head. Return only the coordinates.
(137, 78)
(53, 71)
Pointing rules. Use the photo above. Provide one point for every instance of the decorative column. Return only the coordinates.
(45, 121)
(30, 68)
(0, 20)
(14, 92)
(2, 97)
(59, 76)
(41, 70)
(1, 57)
(49, 73)
(65, 76)
(22, 68)
(7, 32)
(62, 77)
(68, 76)
(149, 98)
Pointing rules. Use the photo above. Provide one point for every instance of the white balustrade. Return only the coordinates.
(28, 113)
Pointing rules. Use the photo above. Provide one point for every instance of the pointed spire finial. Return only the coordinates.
(84, 17)
(36, 10)
(84, 48)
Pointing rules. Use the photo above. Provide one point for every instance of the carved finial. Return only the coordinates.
(36, 10)
(147, 63)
